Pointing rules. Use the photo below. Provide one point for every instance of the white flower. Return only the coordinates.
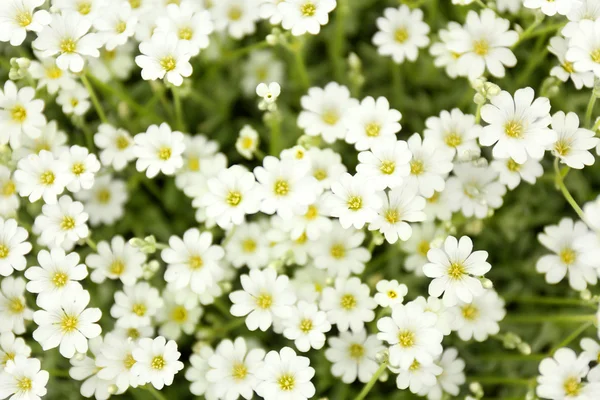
(285, 376)
(484, 43)
(325, 165)
(269, 92)
(455, 270)
(193, 261)
(49, 76)
(433, 304)
(265, 295)
(429, 166)
(75, 100)
(201, 161)
(9, 199)
(117, 260)
(386, 164)
(248, 245)
(159, 150)
(570, 241)
(306, 326)
(82, 167)
(559, 47)
(474, 190)
(233, 369)
(165, 56)
(13, 308)
(105, 200)
(57, 273)
(479, 319)
(41, 176)
(438, 206)
(561, 376)
(341, 252)
(157, 361)
(518, 126)
(325, 111)
(261, 66)
(400, 206)
(237, 17)
(348, 304)
(231, 195)
(189, 22)
(68, 323)
(370, 121)
(301, 16)
(51, 139)
(247, 142)
(511, 173)
(286, 186)
(20, 115)
(551, 7)
(424, 237)
(418, 378)
(586, 10)
(455, 130)
(584, 46)
(412, 335)
(573, 143)
(61, 224)
(354, 201)
(19, 16)
(512, 6)
(177, 315)
(115, 25)
(353, 355)
(444, 57)
(401, 33)
(452, 375)
(390, 293)
(115, 361)
(83, 368)
(312, 225)
(13, 247)
(12, 347)
(136, 305)
(68, 36)
(116, 145)
(23, 379)
(196, 373)
(591, 349)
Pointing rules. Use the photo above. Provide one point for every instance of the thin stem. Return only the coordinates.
(478, 113)
(363, 393)
(296, 49)
(338, 41)
(561, 185)
(500, 380)
(481, 3)
(179, 124)
(90, 242)
(590, 108)
(396, 81)
(572, 336)
(543, 31)
(536, 319)
(155, 393)
(94, 98)
(527, 32)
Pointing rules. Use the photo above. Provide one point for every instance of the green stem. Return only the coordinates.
(481, 3)
(590, 108)
(535, 319)
(222, 330)
(338, 41)
(363, 393)
(94, 98)
(396, 82)
(300, 65)
(500, 380)
(179, 124)
(90, 242)
(58, 373)
(560, 183)
(572, 336)
(543, 31)
(478, 113)
(275, 139)
(527, 32)
(155, 393)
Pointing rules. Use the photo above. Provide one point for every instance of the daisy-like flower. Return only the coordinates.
(12, 347)
(452, 376)
(425, 236)
(438, 206)
(586, 10)
(74, 101)
(412, 335)
(455, 270)
(117, 260)
(325, 165)
(190, 23)
(325, 111)
(341, 252)
(237, 17)
(82, 167)
(479, 319)
(348, 304)
(510, 173)
(68, 35)
(51, 139)
(306, 326)
(22, 378)
(286, 376)
(444, 317)
(201, 161)
(573, 143)
(105, 201)
(247, 142)
(116, 145)
(584, 47)
(56, 274)
(401, 33)
(570, 241)
(165, 56)
(248, 245)
(455, 130)
(68, 323)
(302, 16)
(177, 316)
(13, 307)
(444, 57)
(193, 261)
(115, 361)
(159, 150)
(231, 195)
(561, 376)
(551, 7)
(20, 114)
(385, 164)
(115, 25)
(13, 247)
(313, 224)
(49, 76)
(474, 190)
(41, 176)
(484, 43)
(370, 121)
(353, 355)
(354, 201)
(390, 293)
(418, 378)
(61, 224)
(136, 305)
(286, 186)
(518, 126)
(9, 199)
(196, 373)
(19, 16)
(429, 166)
(261, 66)
(265, 295)
(401, 205)
(83, 368)
(591, 349)
(233, 369)
(156, 361)
(559, 47)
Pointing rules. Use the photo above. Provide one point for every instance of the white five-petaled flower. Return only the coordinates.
(116, 260)
(159, 150)
(61, 224)
(156, 361)
(23, 379)
(13, 247)
(285, 376)
(20, 114)
(573, 143)
(41, 176)
(455, 130)
(306, 326)
(19, 16)
(386, 164)
(348, 304)
(354, 355)
(390, 293)
(455, 270)
(354, 201)
(370, 121)
(165, 56)
(429, 166)
(302, 16)
(116, 145)
(136, 305)
(561, 376)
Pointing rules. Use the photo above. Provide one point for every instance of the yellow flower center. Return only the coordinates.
(456, 271)
(392, 216)
(513, 166)
(239, 371)
(481, 47)
(312, 212)
(417, 167)
(23, 385)
(595, 56)
(392, 294)
(67, 223)
(264, 301)
(401, 35)
(330, 117)
(4, 251)
(568, 256)
(453, 139)
(196, 262)
(122, 142)
(348, 302)
(338, 251)
(355, 203)
(320, 174)
(60, 279)
(139, 309)
(53, 72)
(302, 238)
(19, 114)
(68, 46)
(103, 196)
(7, 357)
(84, 8)
(414, 366)
(306, 325)
(168, 63)
(133, 333)
(572, 386)
(356, 351)
(24, 18)
(193, 164)
(186, 33)
(233, 198)
(247, 142)
(249, 246)
(470, 312)
(121, 27)
(423, 247)
(78, 168)
(513, 129)
(406, 338)
(372, 129)
(16, 305)
(9, 188)
(179, 314)
(135, 3)
(568, 67)
(158, 362)
(47, 178)
(164, 153)
(281, 188)
(117, 267)
(235, 13)
(387, 167)
(562, 147)
(308, 9)
(129, 361)
(69, 323)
